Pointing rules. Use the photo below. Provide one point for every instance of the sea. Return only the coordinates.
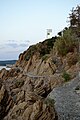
(1, 67)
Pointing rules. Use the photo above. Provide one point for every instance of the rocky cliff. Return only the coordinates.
(25, 87)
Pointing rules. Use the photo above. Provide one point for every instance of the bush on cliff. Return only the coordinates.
(42, 48)
(66, 43)
(66, 76)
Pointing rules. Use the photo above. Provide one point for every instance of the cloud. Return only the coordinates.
(11, 40)
(12, 48)
(17, 44)
(2, 47)
(27, 41)
(23, 45)
(14, 45)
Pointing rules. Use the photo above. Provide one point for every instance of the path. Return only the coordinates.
(67, 100)
(36, 76)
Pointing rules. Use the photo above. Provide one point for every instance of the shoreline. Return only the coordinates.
(7, 68)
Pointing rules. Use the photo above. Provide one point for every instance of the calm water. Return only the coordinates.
(1, 67)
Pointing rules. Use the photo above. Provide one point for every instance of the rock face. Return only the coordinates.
(28, 100)
(5, 101)
(37, 111)
(25, 87)
(67, 100)
(22, 98)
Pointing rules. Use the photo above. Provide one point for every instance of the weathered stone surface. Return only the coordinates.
(37, 111)
(42, 112)
(31, 97)
(56, 80)
(73, 71)
(27, 84)
(16, 112)
(5, 101)
(20, 97)
(3, 73)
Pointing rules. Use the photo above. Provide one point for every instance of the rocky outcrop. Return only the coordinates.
(25, 87)
(5, 101)
(24, 99)
(37, 111)
(28, 100)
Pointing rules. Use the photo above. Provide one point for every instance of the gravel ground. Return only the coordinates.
(67, 100)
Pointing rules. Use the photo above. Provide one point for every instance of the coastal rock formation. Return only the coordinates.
(37, 111)
(28, 100)
(25, 87)
(5, 101)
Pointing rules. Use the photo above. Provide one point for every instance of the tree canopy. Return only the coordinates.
(75, 20)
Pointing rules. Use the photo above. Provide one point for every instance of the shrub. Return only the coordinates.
(42, 48)
(66, 76)
(66, 43)
(31, 50)
(49, 102)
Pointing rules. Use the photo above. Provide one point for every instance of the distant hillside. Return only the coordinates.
(3, 63)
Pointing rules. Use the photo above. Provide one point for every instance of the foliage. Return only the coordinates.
(66, 43)
(45, 57)
(66, 76)
(42, 48)
(49, 102)
(75, 20)
(31, 50)
(46, 46)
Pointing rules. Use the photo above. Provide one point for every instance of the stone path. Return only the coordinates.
(31, 75)
(67, 100)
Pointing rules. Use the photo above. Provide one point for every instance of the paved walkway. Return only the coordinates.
(67, 100)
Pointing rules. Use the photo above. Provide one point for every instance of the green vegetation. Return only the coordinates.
(66, 76)
(75, 20)
(42, 48)
(49, 102)
(66, 43)
(31, 50)
(67, 40)
(45, 57)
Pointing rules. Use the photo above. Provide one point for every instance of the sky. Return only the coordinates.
(24, 22)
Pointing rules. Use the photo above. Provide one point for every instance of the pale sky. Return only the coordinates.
(24, 22)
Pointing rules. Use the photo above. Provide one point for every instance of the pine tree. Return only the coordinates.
(75, 20)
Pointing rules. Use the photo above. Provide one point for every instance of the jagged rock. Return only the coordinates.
(42, 87)
(16, 112)
(28, 85)
(56, 80)
(20, 97)
(5, 101)
(2, 91)
(31, 97)
(37, 111)
(3, 73)
(27, 113)
(73, 71)
(15, 91)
